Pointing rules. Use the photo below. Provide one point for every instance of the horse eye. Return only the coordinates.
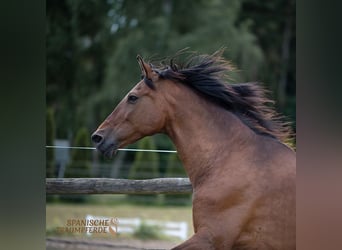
(132, 98)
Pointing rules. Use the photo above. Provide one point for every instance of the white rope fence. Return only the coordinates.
(120, 149)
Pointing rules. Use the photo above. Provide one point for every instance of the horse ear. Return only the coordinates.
(146, 69)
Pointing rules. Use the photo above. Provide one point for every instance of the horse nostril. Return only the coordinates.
(96, 138)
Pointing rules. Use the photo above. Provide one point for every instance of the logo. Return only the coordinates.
(91, 225)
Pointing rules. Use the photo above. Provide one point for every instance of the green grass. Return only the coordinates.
(146, 232)
(57, 214)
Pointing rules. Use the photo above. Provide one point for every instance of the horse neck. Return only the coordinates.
(202, 132)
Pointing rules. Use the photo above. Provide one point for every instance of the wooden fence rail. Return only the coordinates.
(117, 186)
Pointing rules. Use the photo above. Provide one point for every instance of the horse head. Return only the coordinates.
(140, 113)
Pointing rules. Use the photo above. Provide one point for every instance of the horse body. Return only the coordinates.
(243, 181)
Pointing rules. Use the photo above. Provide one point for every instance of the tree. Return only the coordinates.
(77, 34)
(274, 24)
(50, 137)
(80, 165)
(145, 166)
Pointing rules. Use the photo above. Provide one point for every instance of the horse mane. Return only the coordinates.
(206, 75)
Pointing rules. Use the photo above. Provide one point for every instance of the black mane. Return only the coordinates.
(206, 75)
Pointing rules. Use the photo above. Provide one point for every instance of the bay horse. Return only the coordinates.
(230, 142)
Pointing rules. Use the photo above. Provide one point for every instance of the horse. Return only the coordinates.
(231, 142)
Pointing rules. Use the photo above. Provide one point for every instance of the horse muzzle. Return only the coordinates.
(107, 146)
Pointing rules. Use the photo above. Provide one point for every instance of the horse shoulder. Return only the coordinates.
(251, 203)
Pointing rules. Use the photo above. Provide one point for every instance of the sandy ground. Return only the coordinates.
(58, 243)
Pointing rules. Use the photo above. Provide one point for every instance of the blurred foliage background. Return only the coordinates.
(92, 45)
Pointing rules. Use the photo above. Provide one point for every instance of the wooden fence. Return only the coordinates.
(117, 186)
